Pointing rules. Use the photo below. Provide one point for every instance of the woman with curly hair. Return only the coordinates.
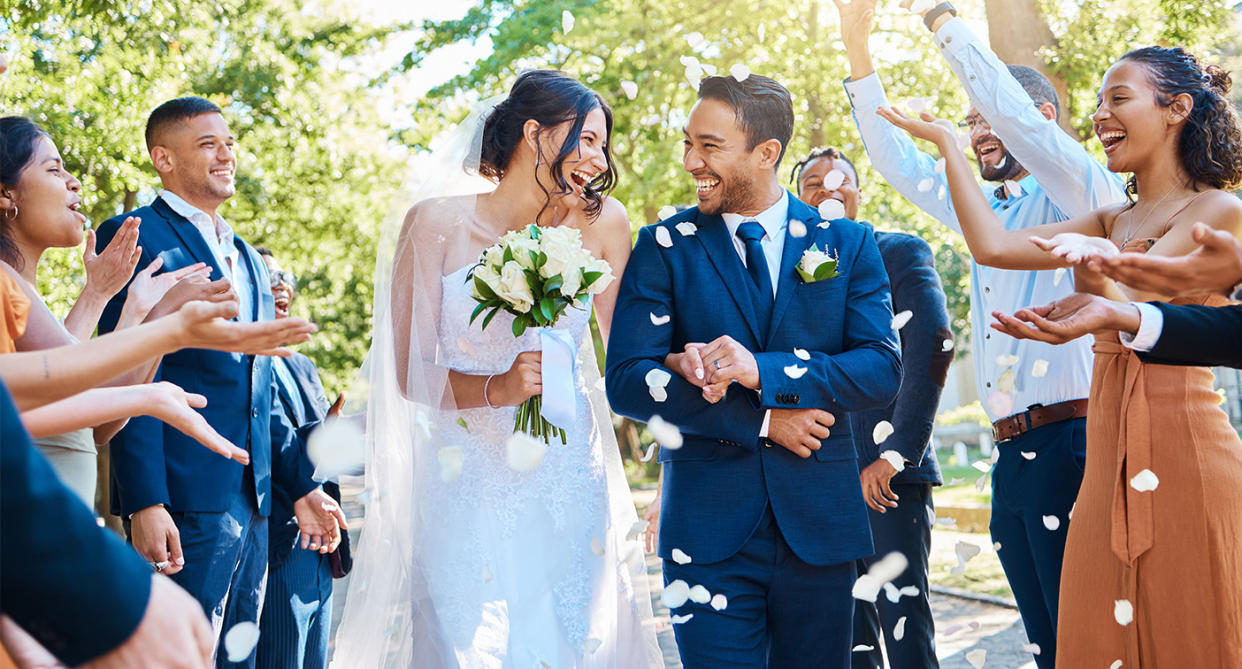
(1153, 562)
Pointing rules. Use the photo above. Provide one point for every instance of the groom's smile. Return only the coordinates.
(726, 169)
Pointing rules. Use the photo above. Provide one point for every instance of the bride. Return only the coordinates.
(465, 562)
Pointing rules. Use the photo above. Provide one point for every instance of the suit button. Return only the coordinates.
(254, 413)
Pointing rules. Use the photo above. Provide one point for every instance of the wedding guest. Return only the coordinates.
(1040, 174)
(297, 609)
(206, 516)
(1162, 498)
(900, 500)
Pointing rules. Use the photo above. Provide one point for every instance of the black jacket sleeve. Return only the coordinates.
(1197, 335)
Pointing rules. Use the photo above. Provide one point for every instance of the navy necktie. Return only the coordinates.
(750, 232)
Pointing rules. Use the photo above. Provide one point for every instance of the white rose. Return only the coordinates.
(601, 284)
(488, 275)
(565, 257)
(813, 258)
(522, 246)
(512, 287)
(493, 256)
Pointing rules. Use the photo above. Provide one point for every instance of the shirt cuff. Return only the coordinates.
(954, 35)
(763, 429)
(1151, 323)
(866, 94)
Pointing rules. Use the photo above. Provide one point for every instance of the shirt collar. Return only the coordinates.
(773, 219)
(194, 214)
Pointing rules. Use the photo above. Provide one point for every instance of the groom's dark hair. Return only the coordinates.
(763, 107)
(173, 112)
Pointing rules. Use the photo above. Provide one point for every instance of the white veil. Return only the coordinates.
(390, 618)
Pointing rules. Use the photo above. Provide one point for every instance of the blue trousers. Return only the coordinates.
(297, 612)
(907, 530)
(1023, 492)
(781, 613)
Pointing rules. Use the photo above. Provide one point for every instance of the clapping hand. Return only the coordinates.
(1068, 318)
(108, 272)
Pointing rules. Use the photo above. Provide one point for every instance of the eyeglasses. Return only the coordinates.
(284, 277)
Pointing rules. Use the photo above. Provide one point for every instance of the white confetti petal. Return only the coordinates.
(1145, 481)
(591, 645)
(1029, 455)
(831, 209)
(663, 238)
(739, 72)
(650, 452)
(658, 377)
(794, 371)
(720, 602)
(1005, 383)
(637, 529)
(965, 551)
(892, 593)
(946, 345)
(666, 211)
(1070, 515)
(863, 648)
(686, 228)
(680, 557)
(567, 21)
(1115, 665)
(660, 320)
(978, 656)
(665, 433)
(931, 515)
(1052, 523)
(900, 320)
(996, 546)
(899, 630)
(658, 393)
(700, 595)
(675, 594)
(240, 641)
(910, 591)
(940, 193)
(797, 229)
(1007, 360)
(466, 346)
(926, 185)
(690, 61)
(833, 180)
(882, 430)
(1013, 188)
(708, 69)
(867, 587)
(694, 39)
(338, 447)
(917, 105)
(597, 546)
(1057, 275)
(1039, 369)
(1123, 611)
(982, 465)
(1032, 648)
(451, 459)
(524, 452)
(677, 620)
(939, 168)
(486, 574)
(1001, 404)
(630, 89)
(802, 354)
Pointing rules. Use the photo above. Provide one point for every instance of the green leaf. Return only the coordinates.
(462, 423)
(488, 319)
(589, 278)
(484, 289)
(533, 280)
(541, 260)
(477, 310)
(807, 277)
(547, 307)
(508, 255)
(551, 286)
(534, 259)
(827, 270)
(519, 325)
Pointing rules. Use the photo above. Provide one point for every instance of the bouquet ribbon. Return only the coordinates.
(558, 366)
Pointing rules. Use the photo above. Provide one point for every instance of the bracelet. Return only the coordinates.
(485, 385)
(929, 19)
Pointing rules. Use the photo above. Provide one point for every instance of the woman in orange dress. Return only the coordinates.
(1152, 576)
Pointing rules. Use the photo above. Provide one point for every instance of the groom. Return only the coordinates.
(763, 496)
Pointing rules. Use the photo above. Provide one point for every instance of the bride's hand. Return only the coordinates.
(523, 381)
(688, 364)
(652, 516)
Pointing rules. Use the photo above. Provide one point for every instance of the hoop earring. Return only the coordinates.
(8, 216)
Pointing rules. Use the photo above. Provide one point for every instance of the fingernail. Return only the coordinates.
(698, 372)
(180, 561)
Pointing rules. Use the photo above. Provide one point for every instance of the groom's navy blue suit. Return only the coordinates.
(774, 533)
(220, 506)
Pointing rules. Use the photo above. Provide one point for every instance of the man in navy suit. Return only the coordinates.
(900, 499)
(196, 517)
(761, 505)
(297, 610)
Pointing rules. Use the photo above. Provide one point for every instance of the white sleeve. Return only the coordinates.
(1151, 323)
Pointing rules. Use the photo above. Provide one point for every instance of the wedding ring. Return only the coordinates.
(160, 566)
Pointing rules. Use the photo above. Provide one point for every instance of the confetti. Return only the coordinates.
(1145, 481)
(977, 657)
(899, 630)
(1057, 276)
(663, 238)
(660, 320)
(686, 228)
(665, 433)
(567, 21)
(940, 193)
(719, 602)
(981, 483)
(461, 422)
(893, 458)
(1029, 455)
(1032, 648)
(926, 185)
(630, 89)
(1052, 523)
(892, 593)
(680, 557)
(939, 168)
(797, 229)
(830, 209)
(900, 320)
(677, 620)
(910, 591)
(466, 346)
(451, 459)
(690, 61)
(694, 39)
(486, 574)
(882, 430)
(337, 447)
(524, 452)
(1013, 188)
(739, 72)
(1007, 360)
(863, 648)
(637, 529)
(675, 594)
(1115, 665)
(667, 211)
(802, 354)
(867, 587)
(794, 371)
(981, 465)
(1039, 369)
(946, 345)
(834, 179)
(240, 641)
(700, 595)
(1123, 611)
(824, 225)
(597, 546)
(591, 645)
(1001, 404)
(1005, 383)
(650, 452)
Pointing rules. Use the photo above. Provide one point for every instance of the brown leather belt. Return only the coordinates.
(1037, 416)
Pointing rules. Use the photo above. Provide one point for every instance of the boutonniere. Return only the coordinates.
(817, 265)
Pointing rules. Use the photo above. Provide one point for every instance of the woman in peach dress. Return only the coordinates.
(1152, 576)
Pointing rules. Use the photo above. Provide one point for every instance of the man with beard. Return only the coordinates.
(1034, 392)
(751, 325)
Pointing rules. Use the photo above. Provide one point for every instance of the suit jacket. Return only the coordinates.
(718, 484)
(153, 463)
(916, 288)
(1198, 335)
(305, 412)
(74, 586)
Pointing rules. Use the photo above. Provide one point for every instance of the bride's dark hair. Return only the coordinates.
(550, 98)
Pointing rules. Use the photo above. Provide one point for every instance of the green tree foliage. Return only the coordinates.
(314, 170)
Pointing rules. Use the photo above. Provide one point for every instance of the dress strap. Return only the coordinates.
(1165, 227)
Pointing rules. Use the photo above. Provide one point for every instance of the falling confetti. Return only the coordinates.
(1039, 369)
(977, 657)
(677, 620)
(486, 574)
(700, 595)
(667, 211)
(630, 89)
(1115, 665)
(657, 379)
(1007, 360)
(899, 630)
(739, 72)
(831, 209)
(675, 594)
(1057, 276)
(665, 433)
(686, 228)
(650, 452)
(451, 459)
(1005, 383)
(797, 229)
(882, 430)
(1123, 611)
(597, 546)
(910, 591)
(524, 452)
(240, 641)
(637, 529)
(802, 354)
(663, 238)
(1029, 455)
(461, 422)
(824, 225)
(337, 447)
(900, 320)
(794, 371)
(1052, 523)
(680, 557)
(892, 593)
(591, 645)
(926, 185)
(1145, 481)
(834, 179)
(1001, 404)
(893, 458)
(939, 168)
(660, 320)
(981, 465)
(863, 648)
(940, 193)
(567, 21)
(719, 602)
(867, 587)
(694, 39)
(1032, 648)
(946, 345)
(1013, 188)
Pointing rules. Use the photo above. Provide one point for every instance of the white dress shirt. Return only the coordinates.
(1151, 324)
(219, 238)
(774, 220)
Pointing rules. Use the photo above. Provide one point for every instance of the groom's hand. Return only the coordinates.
(799, 430)
(726, 360)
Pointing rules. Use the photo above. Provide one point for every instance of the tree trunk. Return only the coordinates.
(131, 200)
(1017, 31)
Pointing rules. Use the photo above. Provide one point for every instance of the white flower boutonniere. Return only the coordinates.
(817, 265)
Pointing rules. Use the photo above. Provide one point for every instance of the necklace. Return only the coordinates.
(1133, 228)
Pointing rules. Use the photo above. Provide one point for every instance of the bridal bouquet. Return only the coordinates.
(536, 274)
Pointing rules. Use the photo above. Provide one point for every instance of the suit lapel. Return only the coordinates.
(787, 279)
(713, 234)
(251, 258)
(191, 239)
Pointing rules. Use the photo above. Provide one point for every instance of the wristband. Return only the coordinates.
(929, 19)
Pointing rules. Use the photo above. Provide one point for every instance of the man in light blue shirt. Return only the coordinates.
(1034, 392)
